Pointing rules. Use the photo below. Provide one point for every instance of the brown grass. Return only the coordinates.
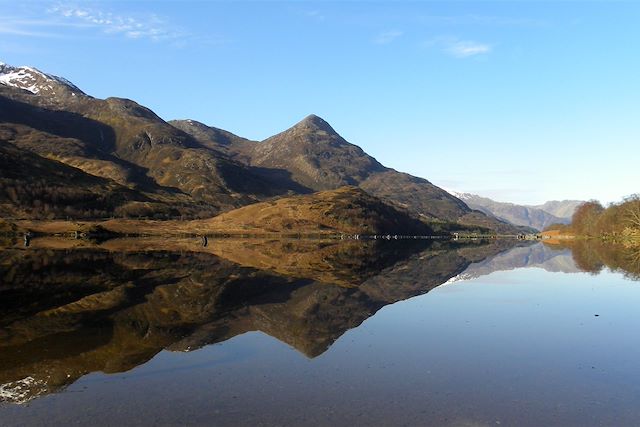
(345, 210)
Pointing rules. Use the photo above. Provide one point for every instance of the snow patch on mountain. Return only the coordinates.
(35, 81)
(460, 195)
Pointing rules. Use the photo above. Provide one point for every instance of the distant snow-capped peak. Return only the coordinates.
(35, 81)
(460, 195)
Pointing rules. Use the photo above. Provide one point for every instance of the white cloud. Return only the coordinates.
(387, 37)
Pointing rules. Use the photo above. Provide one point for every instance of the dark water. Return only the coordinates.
(153, 332)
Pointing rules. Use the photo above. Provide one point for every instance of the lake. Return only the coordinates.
(319, 332)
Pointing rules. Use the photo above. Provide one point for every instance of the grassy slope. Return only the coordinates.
(345, 210)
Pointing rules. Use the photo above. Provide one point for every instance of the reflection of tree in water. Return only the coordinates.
(633, 260)
(592, 255)
(66, 313)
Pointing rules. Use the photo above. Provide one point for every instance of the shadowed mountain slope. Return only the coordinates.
(120, 140)
(30, 184)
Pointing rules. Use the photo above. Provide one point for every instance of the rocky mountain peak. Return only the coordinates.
(314, 123)
(35, 81)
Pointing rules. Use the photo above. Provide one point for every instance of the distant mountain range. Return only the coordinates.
(75, 156)
(538, 217)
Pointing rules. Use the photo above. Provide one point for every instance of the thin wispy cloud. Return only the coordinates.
(467, 48)
(150, 27)
(15, 26)
(459, 48)
(387, 37)
(63, 21)
(13, 30)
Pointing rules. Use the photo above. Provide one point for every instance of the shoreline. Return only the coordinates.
(114, 228)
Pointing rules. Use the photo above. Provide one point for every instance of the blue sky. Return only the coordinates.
(518, 101)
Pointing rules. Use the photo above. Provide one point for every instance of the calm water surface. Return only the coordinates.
(319, 333)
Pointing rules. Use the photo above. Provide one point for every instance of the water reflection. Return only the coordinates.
(552, 258)
(593, 255)
(69, 307)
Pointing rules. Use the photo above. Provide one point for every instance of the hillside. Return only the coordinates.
(347, 210)
(33, 186)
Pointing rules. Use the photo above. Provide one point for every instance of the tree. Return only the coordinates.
(631, 209)
(585, 218)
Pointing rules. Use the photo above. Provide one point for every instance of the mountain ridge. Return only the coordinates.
(203, 170)
(318, 158)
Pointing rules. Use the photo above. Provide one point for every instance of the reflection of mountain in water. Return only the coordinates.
(68, 312)
(536, 255)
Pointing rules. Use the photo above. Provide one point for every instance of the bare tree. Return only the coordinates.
(632, 210)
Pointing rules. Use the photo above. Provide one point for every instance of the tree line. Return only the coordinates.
(591, 219)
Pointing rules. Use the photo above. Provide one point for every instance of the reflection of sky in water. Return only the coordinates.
(520, 347)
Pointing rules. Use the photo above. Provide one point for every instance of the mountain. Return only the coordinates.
(316, 156)
(313, 156)
(185, 168)
(537, 217)
(120, 140)
(561, 208)
(515, 214)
